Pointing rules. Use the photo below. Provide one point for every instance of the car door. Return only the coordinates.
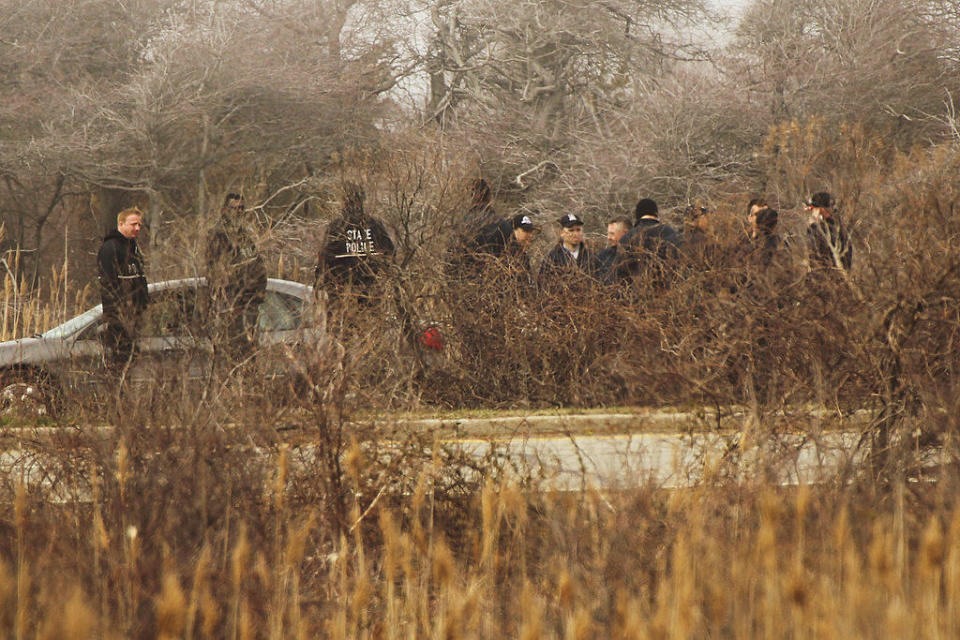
(172, 342)
(287, 322)
(76, 358)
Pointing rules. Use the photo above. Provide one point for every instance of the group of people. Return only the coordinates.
(648, 247)
(358, 247)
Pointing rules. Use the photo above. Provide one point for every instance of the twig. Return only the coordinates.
(367, 511)
(519, 178)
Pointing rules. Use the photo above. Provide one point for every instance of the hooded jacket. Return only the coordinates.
(120, 274)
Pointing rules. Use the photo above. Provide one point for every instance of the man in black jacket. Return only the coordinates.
(123, 285)
(570, 256)
(356, 251)
(236, 277)
(650, 248)
(827, 239)
(498, 246)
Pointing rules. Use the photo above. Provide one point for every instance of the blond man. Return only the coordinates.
(123, 285)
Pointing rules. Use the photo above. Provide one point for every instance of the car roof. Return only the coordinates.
(80, 322)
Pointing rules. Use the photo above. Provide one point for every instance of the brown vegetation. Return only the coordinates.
(236, 505)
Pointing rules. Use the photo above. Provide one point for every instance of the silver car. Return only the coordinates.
(171, 339)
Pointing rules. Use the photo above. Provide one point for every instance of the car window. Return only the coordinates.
(280, 312)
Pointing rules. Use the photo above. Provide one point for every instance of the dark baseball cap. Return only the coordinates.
(523, 221)
(570, 220)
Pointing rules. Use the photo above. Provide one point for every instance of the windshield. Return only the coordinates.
(74, 325)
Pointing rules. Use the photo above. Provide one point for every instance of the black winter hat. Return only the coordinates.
(821, 199)
(646, 207)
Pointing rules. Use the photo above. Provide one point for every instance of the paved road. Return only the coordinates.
(671, 460)
(566, 453)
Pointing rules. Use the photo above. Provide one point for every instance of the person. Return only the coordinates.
(695, 224)
(355, 252)
(503, 243)
(827, 240)
(694, 238)
(603, 263)
(649, 247)
(762, 240)
(757, 251)
(569, 256)
(489, 283)
(123, 285)
(236, 278)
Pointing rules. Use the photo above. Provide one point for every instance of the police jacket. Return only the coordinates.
(120, 274)
(356, 248)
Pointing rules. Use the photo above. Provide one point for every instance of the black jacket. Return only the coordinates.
(603, 263)
(829, 245)
(356, 249)
(495, 238)
(759, 251)
(492, 253)
(650, 244)
(120, 273)
(560, 262)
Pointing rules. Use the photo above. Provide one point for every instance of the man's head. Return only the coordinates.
(819, 206)
(821, 199)
(756, 205)
(646, 208)
(761, 219)
(571, 231)
(129, 222)
(233, 204)
(764, 221)
(695, 217)
(523, 229)
(616, 229)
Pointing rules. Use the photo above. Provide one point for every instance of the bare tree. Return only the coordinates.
(881, 62)
(166, 104)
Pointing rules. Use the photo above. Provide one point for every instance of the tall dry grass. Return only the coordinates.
(27, 308)
(745, 560)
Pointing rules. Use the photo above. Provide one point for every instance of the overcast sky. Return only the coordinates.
(732, 7)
